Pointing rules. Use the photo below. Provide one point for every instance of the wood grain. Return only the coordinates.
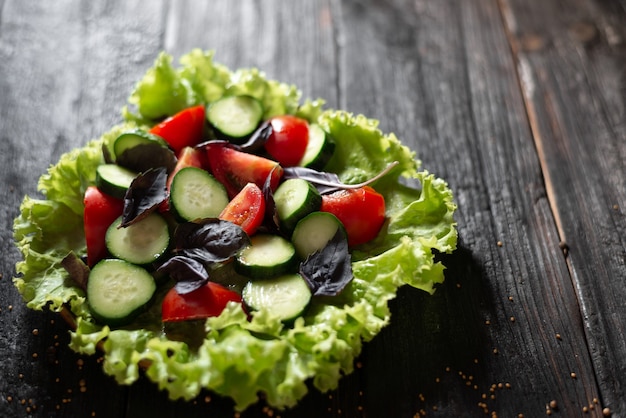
(518, 105)
(569, 67)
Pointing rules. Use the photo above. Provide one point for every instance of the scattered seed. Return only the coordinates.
(553, 404)
(558, 336)
(35, 331)
(585, 409)
(511, 298)
(512, 319)
(573, 375)
(606, 412)
(495, 351)
(499, 243)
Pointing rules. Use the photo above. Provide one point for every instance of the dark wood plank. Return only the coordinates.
(571, 60)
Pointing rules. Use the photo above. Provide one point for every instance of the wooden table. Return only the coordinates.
(519, 105)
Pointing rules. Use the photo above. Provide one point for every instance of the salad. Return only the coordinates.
(228, 236)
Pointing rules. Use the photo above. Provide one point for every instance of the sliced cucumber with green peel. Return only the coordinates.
(266, 256)
(285, 296)
(235, 117)
(142, 242)
(117, 291)
(294, 199)
(319, 149)
(196, 194)
(314, 232)
(114, 180)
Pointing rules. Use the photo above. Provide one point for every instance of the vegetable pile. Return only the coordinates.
(227, 236)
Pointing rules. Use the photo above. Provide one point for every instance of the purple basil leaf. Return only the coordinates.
(77, 269)
(258, 138)
(189, 274)
(147, 191)
(329, 182)
(210, 240)
(106, 155)
(223, 142)
(329, 270)
(324, 182)
(143, 157)
(271, 214)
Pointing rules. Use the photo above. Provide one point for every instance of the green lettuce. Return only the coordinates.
(239, 357)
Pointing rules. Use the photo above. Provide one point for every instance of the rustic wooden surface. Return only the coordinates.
(519, 105)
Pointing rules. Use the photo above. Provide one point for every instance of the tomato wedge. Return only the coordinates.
(204, 302)
(234, 169)
(362, 212)
(184, 129)
(100, 212)
(288, 141)
(247, 209)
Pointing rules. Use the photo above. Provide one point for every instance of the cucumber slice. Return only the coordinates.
(130, 139)
(196, 194)
(235, 117)
(285, 296)
(294, 199)
(117, 291)
(114, 180)
(140, 243)
(266, 256)
(319, 148)
(314, 232)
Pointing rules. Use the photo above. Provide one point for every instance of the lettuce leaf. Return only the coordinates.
(239, 357)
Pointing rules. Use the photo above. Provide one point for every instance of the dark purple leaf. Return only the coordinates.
(210, 240)
(189, 274)
(326, 182)
(143, 157)
(223, 142)
(106, 155)
(329, 270)
(147, 191)
(271, 214)
(77, 269)
(258, 138)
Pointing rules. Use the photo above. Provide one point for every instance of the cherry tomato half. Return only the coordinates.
(184, 129)
(247, 209)
(362, 212)
(100, 212)
(289, 139)
(204, 302)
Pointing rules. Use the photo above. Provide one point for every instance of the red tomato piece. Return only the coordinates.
(362, 212)
(187, 157)
(100, 212)
(289, 139)
(234, 169)
(204, 302)
(247, 209)
(184, 129)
